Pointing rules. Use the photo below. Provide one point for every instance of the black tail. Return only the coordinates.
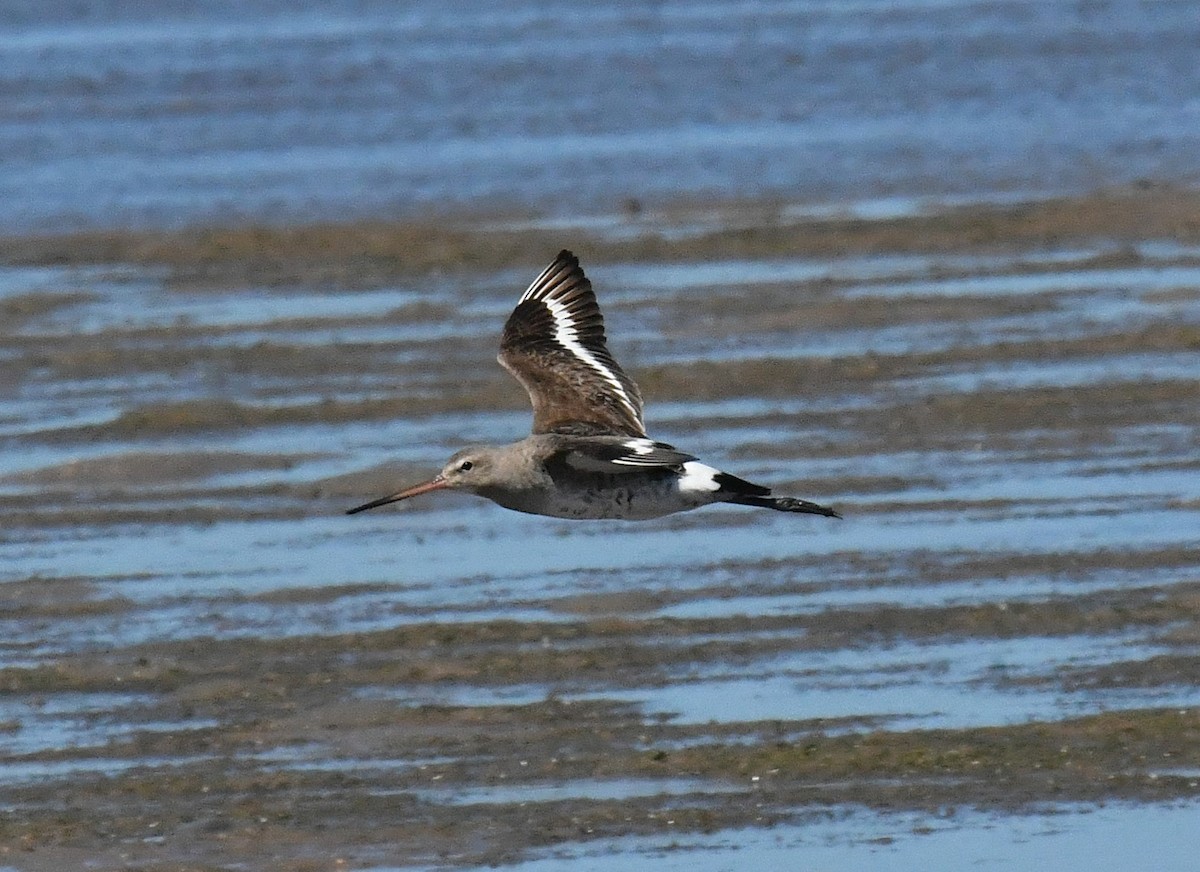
(743, 493)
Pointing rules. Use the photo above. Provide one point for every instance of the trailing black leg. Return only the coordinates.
(782, 504)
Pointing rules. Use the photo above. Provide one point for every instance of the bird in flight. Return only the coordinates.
(588, 455)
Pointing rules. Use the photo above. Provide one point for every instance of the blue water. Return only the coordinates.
(562, 114)
(914, 515)
(171, 113)
(1116, 838)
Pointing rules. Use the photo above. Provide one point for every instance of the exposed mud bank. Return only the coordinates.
(205, 665)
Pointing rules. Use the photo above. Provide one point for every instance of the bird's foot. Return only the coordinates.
(791, 504)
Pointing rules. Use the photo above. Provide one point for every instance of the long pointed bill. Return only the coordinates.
(435, 483)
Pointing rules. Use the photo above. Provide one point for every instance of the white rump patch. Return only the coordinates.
(698, 477)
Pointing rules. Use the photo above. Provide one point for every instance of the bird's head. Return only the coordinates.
(469, 469)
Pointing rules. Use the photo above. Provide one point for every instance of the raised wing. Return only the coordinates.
(554, 344)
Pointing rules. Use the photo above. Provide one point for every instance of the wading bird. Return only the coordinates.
(588, 455)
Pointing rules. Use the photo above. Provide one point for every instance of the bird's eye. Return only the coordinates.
(465, 466)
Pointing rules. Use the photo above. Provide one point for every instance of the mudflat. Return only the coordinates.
(205, 665)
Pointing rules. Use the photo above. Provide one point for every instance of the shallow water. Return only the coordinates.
(1008, 436)
(1115, 837)
(203, 660)
(174, 115)
(1110, 494)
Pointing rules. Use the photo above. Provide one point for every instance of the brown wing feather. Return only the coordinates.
(554, 344)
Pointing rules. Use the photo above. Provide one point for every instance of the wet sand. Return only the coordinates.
(207, 667)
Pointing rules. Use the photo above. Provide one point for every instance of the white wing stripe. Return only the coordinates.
(535, 290)
(568, 338)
